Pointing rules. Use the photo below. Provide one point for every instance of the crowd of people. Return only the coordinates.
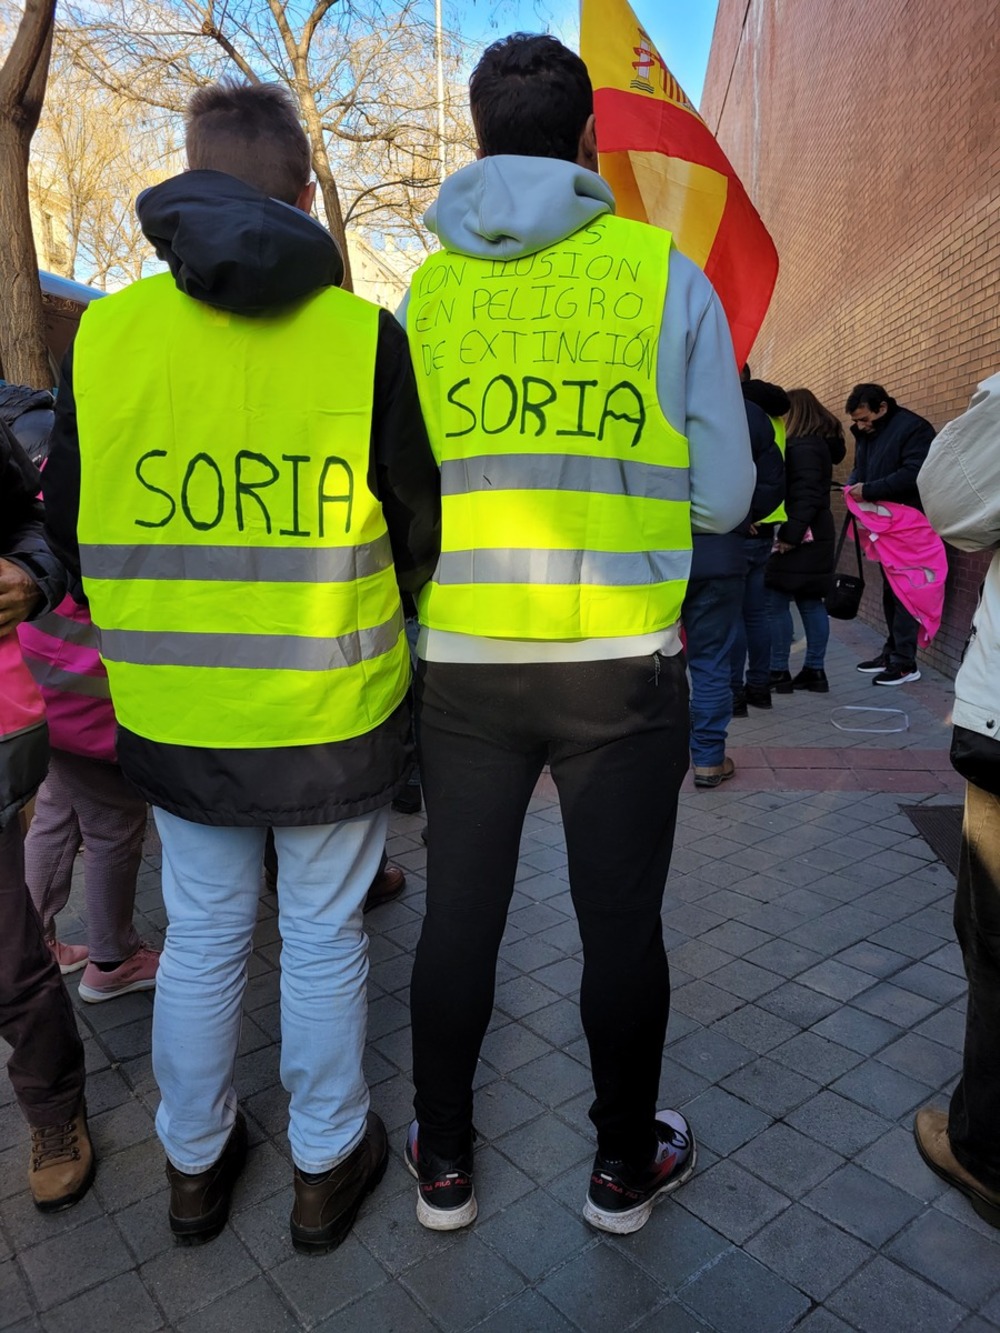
(249, 469)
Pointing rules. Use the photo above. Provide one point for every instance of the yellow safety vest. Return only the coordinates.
(780, 514)
(236, 562)
(565, 491)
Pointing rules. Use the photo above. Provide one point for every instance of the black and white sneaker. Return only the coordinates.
(446, 1200)
(874, 665)
(896, 676)
(620, 1200)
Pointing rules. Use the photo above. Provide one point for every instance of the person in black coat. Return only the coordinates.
(802, 564)
(890, 445)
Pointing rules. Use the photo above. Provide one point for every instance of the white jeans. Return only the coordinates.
(211, 883)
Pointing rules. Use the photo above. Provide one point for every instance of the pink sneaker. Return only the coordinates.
(136, 973)
(70, 957)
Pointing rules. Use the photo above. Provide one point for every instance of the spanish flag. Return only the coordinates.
(665, 167)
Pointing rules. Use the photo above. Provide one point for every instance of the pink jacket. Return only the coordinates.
(62, 654)
(912, 555)
(21, 707)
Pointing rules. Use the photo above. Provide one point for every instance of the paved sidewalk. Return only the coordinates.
(818, 1000)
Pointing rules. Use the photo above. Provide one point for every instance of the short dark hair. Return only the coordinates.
(250, 131)
(866, 395)
(531, 96)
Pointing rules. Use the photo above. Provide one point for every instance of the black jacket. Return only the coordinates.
(806, 569)
(232, 247)
(720, 555)
(887, 459)
(24, 756)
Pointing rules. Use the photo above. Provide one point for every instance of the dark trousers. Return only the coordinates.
(974, 1118)
(901, 638)
(615, 735)
(752, 643)
(36, 1017)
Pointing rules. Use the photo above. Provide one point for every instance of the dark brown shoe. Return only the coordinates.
(325, 1209)
(385, 887)
(61, 1166)
(199, 1204)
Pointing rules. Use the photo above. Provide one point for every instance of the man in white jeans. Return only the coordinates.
(240, 472)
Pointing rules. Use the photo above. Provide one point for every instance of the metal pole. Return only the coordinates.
(439, 49)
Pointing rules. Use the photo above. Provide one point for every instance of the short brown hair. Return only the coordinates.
(250, 131)
(808, 416)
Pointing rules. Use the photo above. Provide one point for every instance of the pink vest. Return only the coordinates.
(912, 555)
(61, 651)
(21, 706)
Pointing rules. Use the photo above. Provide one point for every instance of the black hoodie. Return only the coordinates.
(236, 249)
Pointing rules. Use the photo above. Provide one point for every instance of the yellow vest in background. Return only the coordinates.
(780, 514)
(565, 491)
(236, 562)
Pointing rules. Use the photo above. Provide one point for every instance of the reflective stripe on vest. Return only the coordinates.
(565, 491)
(780, 514)
(234, 557)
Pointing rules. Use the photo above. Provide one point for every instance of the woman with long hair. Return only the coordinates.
(802, 564)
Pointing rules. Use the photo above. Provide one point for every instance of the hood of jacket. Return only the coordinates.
(503, 207)
(234, 248)
(770, 397)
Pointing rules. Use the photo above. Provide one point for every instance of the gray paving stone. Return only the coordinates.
(783, 957)
(946, 1027)
(863, 1204)
(771, 1087)
(798, 1004)
(735, 938)
(499, 1107)
(558, 1023)
(460, 1287)
(672, 1317)
(723, 1122)
(121, 1303)
(15, 1302)
(27, 1226)
(545, 1148)
(821, 1320)
(745, 979)
(316, 1288)
(755, 1028)
(808, 1252)
(857, 1031)
(184, 1279)
(731, 1201)
(836, 979)
(499, 1183)
(739, 1294)
(815, 1057)
(710, 1054)
(947, 1253)
(699, 959)
(703, 1002)
(143, 1226)
(601, 1289)
(511, 1046)
(387, 1309)
(885, 1298)
(552, 1079)
(895, 1004)
(787, 1160)
(905, 939)
(523, 996)
(75, 1261)
(894, 1157)
(673, 1246)
(882, 1089)
(526, 1312)
(680, 1085)
(841, 1125)
(537, 1234)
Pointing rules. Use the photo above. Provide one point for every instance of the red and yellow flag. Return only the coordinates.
(665, 167)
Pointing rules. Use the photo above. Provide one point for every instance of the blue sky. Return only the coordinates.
(681, 29)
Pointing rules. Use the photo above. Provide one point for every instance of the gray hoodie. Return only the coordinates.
(507, 207)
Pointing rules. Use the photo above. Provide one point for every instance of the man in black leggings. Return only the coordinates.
(581, 395)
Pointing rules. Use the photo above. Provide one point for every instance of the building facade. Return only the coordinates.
(868, 135)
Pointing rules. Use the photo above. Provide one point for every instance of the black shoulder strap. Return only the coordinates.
(849, 523)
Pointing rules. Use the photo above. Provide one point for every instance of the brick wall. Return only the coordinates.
(868, 135)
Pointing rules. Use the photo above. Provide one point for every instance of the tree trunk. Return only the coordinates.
(334, 213)
(22, 325)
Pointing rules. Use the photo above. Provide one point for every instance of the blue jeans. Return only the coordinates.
(815, 622)
(711, 614)
(211, 882)
(752, 645)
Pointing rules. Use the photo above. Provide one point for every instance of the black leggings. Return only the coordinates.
(615, 734)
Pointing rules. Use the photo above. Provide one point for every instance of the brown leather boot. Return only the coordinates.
(62, 1163)
(325, 1209)
(930, 1129)
(199, 1203)
(386, 887)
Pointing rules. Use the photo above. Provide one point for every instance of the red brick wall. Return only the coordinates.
(868, 135)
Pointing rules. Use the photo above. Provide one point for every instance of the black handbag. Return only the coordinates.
(846, 590)
(977, 758)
